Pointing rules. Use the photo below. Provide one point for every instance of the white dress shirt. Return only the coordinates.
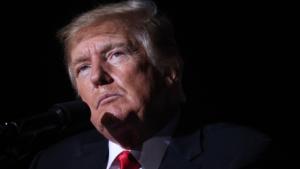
(152, 150)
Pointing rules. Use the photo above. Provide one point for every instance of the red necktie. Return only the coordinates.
(127, 161)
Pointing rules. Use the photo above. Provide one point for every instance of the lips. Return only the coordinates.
(106, 98)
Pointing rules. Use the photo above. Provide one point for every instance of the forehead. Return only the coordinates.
(98, 43)
(106, 28)
(98, 36)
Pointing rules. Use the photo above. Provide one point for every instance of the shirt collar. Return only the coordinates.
(148, 157)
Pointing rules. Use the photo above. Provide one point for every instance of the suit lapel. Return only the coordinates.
(183, 152)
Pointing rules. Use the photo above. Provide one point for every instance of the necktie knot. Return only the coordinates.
(127, 161)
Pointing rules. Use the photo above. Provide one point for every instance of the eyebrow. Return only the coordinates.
(103, 50)
(109, 46)
(79, 59)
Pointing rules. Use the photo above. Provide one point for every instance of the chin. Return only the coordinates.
(127, 133)
(126, 137)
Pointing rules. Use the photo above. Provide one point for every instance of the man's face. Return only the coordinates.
(114, 77)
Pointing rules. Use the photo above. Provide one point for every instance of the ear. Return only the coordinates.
(172, 81)
(171, 76)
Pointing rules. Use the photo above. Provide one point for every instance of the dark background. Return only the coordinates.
(238, 62)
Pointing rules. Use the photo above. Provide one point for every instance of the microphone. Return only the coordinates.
(59, 116)
(21, 139)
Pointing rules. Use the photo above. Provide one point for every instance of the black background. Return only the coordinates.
(238, 61)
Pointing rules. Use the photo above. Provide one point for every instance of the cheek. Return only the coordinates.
(84, 90)
(139, 89)
(136, 79)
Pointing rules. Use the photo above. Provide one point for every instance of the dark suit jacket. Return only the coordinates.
(215, 146)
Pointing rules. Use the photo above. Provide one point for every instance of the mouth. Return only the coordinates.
(107, 98)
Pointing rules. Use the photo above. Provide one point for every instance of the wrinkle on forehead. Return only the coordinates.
(109, 33)
(110, 27)
(113, 28)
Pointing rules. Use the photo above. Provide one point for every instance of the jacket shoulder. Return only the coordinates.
(63, 154)
(234, 145)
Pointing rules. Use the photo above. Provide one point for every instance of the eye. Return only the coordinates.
(117, 54)
(82, 69)
(117, 57)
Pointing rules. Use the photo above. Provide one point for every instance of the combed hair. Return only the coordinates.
(150, 28)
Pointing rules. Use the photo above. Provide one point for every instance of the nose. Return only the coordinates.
(100, 76)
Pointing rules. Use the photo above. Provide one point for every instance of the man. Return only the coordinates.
(123, 62)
